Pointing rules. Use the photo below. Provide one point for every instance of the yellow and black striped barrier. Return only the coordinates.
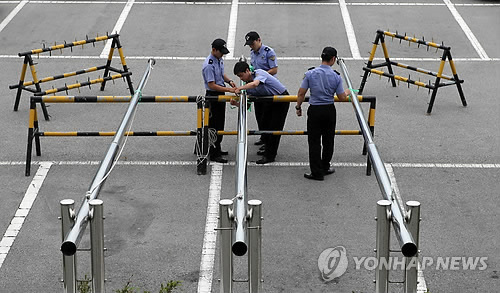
(202, 116)
(34, 85)
(434, 86)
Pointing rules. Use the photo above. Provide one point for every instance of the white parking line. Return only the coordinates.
(23, 210)
(422, 286)
(470, 35)
(210, 237)
(231, 31)
(118, 27)
(351, 36)
(12, 14)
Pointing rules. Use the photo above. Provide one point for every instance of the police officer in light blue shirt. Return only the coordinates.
(323, 82)
(261, 57)
(261, 83)
(214, 79)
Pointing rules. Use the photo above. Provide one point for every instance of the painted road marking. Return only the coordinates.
(422, 286)
(118, 27)
(12, 14)
(470, 35)
(22, 212)
(274, 164)
(351, 36)
(231, 31)
(210, 237)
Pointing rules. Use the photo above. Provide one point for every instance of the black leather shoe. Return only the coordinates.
(224, 153)
(261, 153)
(262, 147)
(313, 177)
(218, 159)
(329, 171)
(264, 160)
(259, 142)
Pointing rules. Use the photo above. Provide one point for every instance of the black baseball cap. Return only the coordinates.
(220, 45)
(251, 37)
(329, 52)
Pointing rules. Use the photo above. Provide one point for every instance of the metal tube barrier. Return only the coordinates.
(69, 261)
(96, 216)
(72, 239)
(411, 271)
(240, 246)
(225, 228)
(408, 246)
(254, 245)
(383, 243)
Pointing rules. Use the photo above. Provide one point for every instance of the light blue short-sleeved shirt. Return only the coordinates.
(264, 58)
(324, 82)
(213, 70)
(268, 86)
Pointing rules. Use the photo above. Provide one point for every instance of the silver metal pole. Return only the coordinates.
(72, 239)
(69, 262)
(383, 241)
(254, 245)
(413, 223)
(226, 239)
(408, 246)
(240, 205)
(97, 245)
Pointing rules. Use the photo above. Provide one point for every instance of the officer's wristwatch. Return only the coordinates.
(298, 108)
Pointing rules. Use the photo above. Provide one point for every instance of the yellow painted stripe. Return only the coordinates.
(69, 74)
(115, 76)
(28, 83)
(75, 85)
(433, 45)
(401, 78)
(389, 34)
(47, 79)
(36, 51)
(206, 116)
(122, 57)
(31, 123)
(112, 133)
(220, 132)
(82, 42)
(173, 133)
(372, 54)
(420, 83)
(51, 133)
(51, 91)
(23, 71)
(33, 73)
(441, 68)
(113, 99)
(285, 98)
(102, 38)
(371, 117)
(453, 69)
(199, 121)
(171, 98)
(61, 46)
(377, 71)
(110, 55)
(347, 132)
(384, 47)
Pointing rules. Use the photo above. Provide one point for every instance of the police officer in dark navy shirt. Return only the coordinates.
(215, 79)
(324, 82)
(261, 57)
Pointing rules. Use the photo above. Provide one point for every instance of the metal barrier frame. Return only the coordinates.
(22, 85)
(202, 116)
(388, 210)
(451, 80)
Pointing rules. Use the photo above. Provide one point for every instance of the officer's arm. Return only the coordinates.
(215, 87)
(250, 85)
(273, 70)
(301, 96)
(344, 97)
(229, 81)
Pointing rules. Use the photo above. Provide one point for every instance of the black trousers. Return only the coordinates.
(260, 110)
(321, 121)
(274, 120)
(216, 120)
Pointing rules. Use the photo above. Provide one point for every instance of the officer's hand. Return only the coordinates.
(299, 112)
(230, 89)
(237, 90)
(232, 84)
